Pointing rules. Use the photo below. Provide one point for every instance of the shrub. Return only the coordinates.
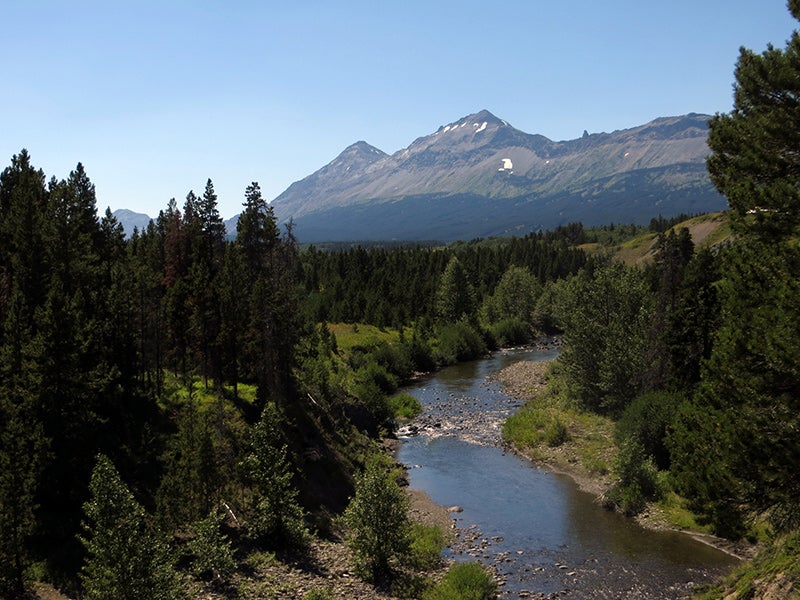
(427, 543)
(419, 352)
(325, 593)
(404, 406)
(457, 342)
(638, 480)
(532, 426)
(647, 419)
(211, 549)
(555, 432)
(464, 581)
(510, 332)
(372, 372)
(378, 522)
(374, 400)
(395, 359)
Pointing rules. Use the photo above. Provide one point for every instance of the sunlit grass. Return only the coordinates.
(404, 406)
(678, 515)
(349, 335)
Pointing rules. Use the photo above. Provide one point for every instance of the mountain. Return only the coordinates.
(129, 219)
(479, 176)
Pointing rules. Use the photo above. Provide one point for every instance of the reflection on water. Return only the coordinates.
(543, 533)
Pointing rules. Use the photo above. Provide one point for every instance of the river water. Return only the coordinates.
(542, 534)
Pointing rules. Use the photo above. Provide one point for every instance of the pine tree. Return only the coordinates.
(270, 267)
(23, 203)
(22, 451)
(276, 518)
(736, 445)
(455, 296)
(125, 558)
(673, 253)
(754, 160)
(191, 480)
(378, 522)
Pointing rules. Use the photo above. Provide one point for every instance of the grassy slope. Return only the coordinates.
(706, 230)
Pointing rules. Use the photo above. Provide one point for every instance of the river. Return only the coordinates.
(541, 533)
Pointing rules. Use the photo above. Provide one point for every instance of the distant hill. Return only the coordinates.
(707, 231)
(479, 176)
(129, 219)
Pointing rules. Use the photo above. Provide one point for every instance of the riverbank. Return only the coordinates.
(587, 453)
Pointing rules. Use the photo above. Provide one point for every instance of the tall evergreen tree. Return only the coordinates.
(22, 452)
(125, 558)
(736, 446)
(23, 204)
(673, 253)
(276, 518)
(455, 296)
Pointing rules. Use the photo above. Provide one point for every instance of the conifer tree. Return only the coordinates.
(455, 296)
(22, 451)
(735, 447)
(378, 521)
(276, 518)
(126, 559)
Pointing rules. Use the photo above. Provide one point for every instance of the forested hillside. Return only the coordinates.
(191, 384)
(177, 412)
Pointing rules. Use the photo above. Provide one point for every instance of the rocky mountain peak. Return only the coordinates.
(479, 176)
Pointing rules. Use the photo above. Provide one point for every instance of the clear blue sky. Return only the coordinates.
(154, 98)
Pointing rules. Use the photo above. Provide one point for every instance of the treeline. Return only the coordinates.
(150, 386)
(397, 287)
(100, 338)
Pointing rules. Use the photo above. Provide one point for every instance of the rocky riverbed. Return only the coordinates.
(476, 416)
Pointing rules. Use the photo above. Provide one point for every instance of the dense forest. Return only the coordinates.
(172, 401)
(183, 372)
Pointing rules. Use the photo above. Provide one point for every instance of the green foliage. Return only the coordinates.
(377, 375)
(458, 342)
(212, 553)
(646, 421)
(325, 593)
(531, 426)
(276, 519)
(464, 581)
(398, 287)
(514, 299)
(638, 479)
(510, 332)
(425, 549)
(606, 317)
(125, 559)
(455, 296)
(21, 454)
(404, 406)
(378, 522)
(191, 479)
(774, 572)
(691, 326)
(735, 445)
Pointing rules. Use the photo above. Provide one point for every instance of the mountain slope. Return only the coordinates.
(130, 220)
(480, 176)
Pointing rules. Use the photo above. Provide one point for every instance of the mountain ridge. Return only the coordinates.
(482, 163)
(479, 176)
